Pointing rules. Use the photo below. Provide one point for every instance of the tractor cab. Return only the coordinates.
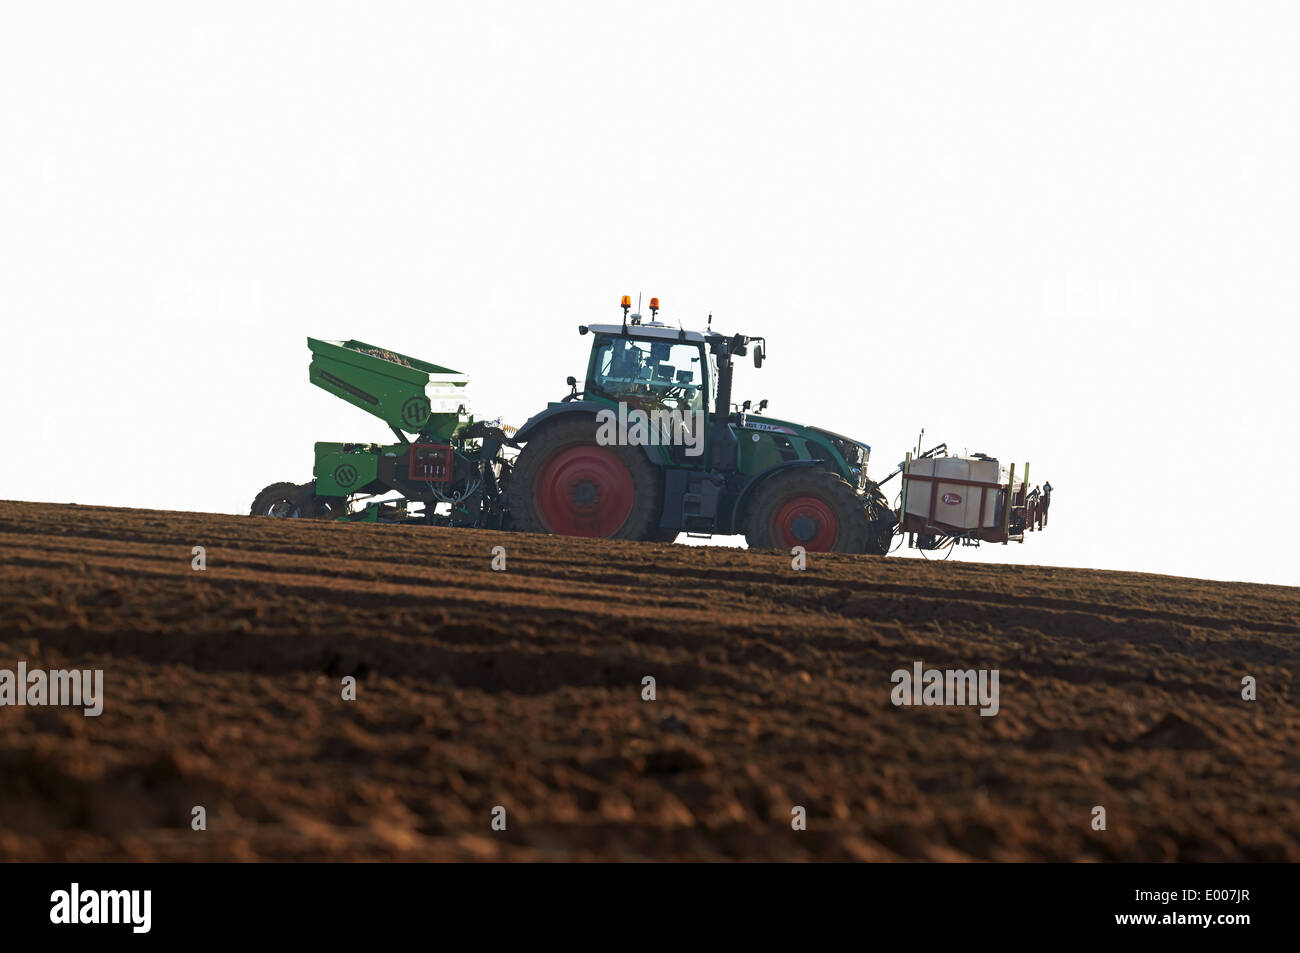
(655, 365)
(649, 367)
(658, 369)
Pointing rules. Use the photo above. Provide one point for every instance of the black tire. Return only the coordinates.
(880, 544)
(883, 522)
(816, 503)
(296, 501)
(576, 510)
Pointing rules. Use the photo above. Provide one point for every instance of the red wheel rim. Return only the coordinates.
(584, 491)
(808, 522)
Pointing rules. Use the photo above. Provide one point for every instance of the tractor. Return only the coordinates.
(778, 483)
(650, 447)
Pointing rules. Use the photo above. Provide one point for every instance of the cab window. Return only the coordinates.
(645, 373)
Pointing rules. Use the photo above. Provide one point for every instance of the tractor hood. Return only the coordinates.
(834, 437)
(853, 451)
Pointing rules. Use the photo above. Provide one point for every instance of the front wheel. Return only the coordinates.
(814, 509)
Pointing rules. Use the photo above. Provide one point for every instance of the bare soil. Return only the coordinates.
(523, 689)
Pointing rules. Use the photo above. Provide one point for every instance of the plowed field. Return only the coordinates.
(523, 689)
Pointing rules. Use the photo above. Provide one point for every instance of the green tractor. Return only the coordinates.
(650, 447)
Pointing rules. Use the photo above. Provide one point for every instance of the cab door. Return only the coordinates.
(667, 380)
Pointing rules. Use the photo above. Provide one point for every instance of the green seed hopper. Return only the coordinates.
(404, 392)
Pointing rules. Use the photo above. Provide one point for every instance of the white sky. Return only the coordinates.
(1062, 233)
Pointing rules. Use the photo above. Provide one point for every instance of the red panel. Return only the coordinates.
(431, 463)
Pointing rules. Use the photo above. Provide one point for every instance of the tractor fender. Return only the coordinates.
(738, 510)
(535, 422)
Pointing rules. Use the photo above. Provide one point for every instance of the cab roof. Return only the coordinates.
(655, 330)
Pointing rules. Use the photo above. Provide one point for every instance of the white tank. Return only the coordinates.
(955, 503)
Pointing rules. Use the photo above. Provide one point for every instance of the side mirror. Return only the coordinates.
(745, 406)
(762, 405)
(571, 381)
(758, 355)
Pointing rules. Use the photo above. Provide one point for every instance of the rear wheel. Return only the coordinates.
(296, 501)
(566, 483)
(814, 509)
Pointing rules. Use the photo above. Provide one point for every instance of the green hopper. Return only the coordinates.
(408, 394)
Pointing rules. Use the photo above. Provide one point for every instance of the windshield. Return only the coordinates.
(658, 373)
